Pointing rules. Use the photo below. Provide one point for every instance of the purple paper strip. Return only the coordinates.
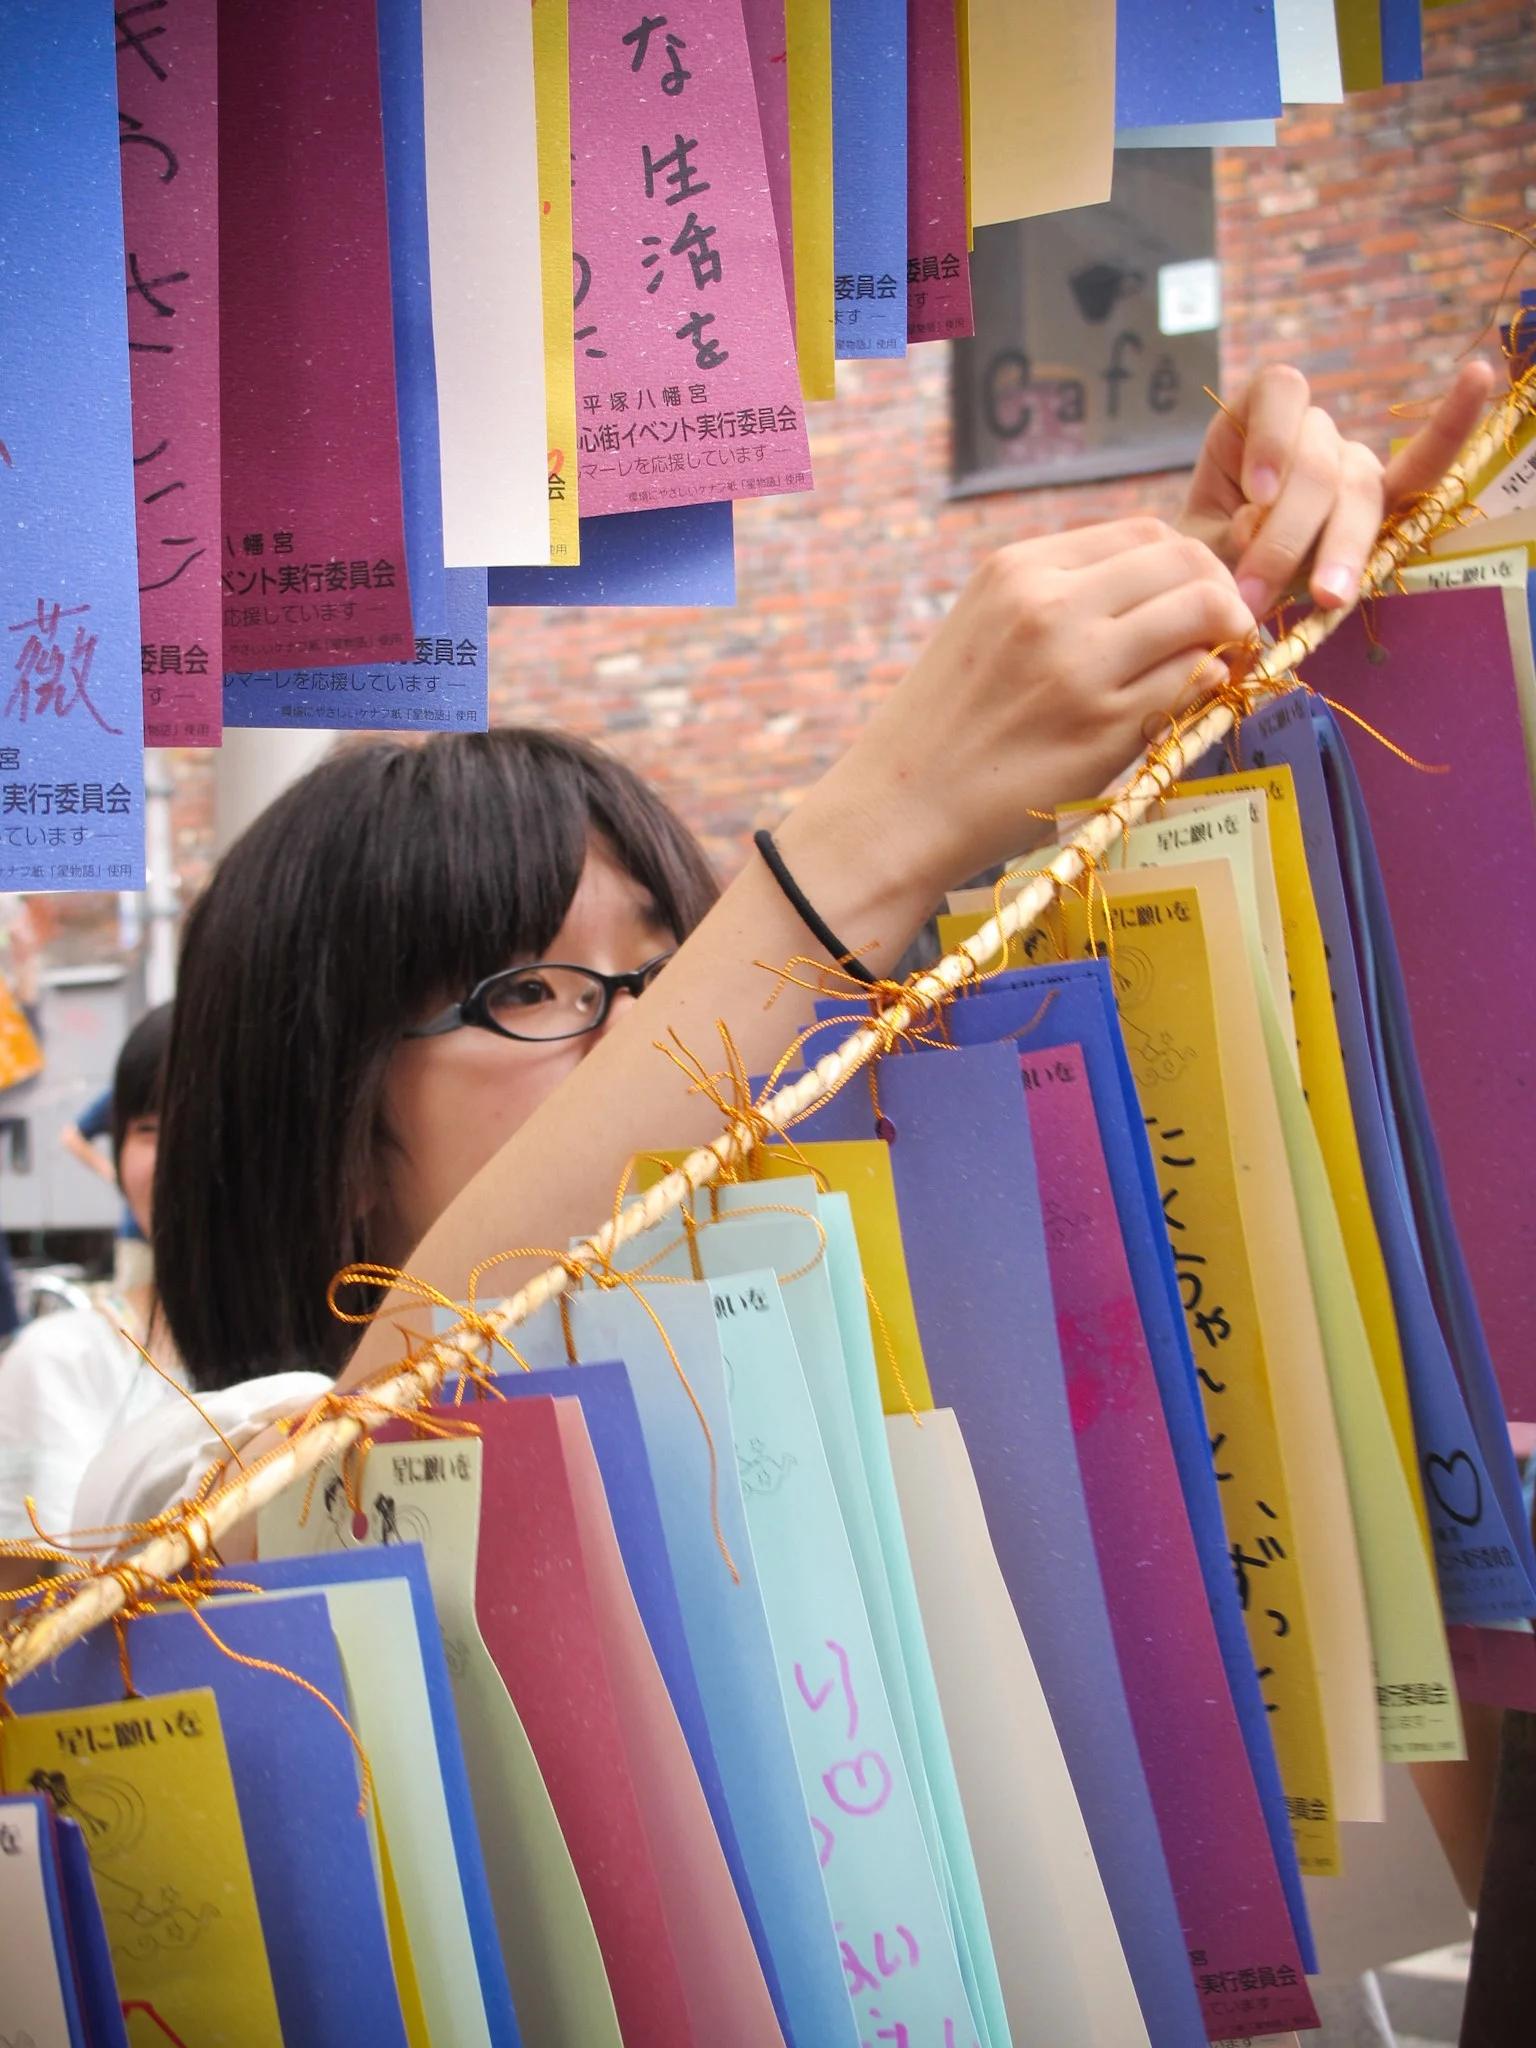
(686, 384)
(1224, 1881)
(1437, 677)
(167, 95)
(314, 535)
(938, 267)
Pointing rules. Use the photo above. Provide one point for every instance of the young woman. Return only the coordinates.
(72, 1379)
(419, 999)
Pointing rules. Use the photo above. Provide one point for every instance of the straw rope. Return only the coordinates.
(1125, 804)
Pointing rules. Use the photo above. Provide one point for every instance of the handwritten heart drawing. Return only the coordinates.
(867, 1778)
(1440, 1477)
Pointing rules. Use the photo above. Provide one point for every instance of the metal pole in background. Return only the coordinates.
(162, 884)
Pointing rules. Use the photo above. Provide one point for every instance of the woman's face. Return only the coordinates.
(136, 1166)
(452, 1102)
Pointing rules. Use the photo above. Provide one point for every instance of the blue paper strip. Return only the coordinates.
(445, 689)
(1470, 1591)
(410, 278)
(613, 1423)
(869, 176)
(1402, 41)
(100, 2007)
(408, 1561)
(72, 722)
(677, 554)
(1200, 135)
(1178, 61)
(296, 1783)
(993, 1357)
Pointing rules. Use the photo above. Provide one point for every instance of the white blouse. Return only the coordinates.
(97, 1438)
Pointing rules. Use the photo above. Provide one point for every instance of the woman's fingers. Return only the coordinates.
(1306, 499)
(1272, 411)
(1350, 534)
(1117, 585)
(1176, 627)
(1420, 466)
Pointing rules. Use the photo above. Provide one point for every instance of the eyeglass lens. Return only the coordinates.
(544, 1002)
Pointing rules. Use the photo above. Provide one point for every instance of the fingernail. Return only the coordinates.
(1252, 591)
(1266, 485)
(1336, 580)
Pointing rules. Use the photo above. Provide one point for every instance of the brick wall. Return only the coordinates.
(1338, 255)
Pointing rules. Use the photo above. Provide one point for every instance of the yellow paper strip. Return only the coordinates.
(859, 1168)
(1042, 100)
(808, 40)
(149, 1780)
(1418, 1718)
(1359, 43)
(552, 98)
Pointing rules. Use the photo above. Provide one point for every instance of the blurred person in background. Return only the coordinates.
(72, 1379)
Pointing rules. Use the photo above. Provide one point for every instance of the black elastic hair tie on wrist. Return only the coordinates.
(815, 924)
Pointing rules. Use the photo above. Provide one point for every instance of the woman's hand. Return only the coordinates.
(1039, 686)
(1277, 484)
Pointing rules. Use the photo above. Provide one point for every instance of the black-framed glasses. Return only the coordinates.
(543, 1002)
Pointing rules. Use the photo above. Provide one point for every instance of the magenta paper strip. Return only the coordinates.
(686, 383)
(167, 99)
(1232, 1908)
(313, 540)
(1436, 675)
(938, 268)
(768, 46)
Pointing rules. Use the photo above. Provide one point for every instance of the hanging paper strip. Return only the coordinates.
(1307, 41)
(1042, 99)
(685, 370)
(1468, 989)
(552, 92)
(993, 1355)
(314, 563)
(678, 554)
(1475, 1585)
(1360, 51)
(1224, 1879)
(410, 280)
(1177, 63)
(487, 305)
(768, 46)
(441, 687)
(167, 92)
(938, 268)
(1402, 41)
(869, 175)
(808, 42)
(71, 761)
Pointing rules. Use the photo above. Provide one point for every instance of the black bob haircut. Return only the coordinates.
(388, 881)
(139, 1074)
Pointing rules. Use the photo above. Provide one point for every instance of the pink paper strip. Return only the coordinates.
(938, 268)
(314, 541)
(167, 98)
(686, 383)
(1230, 1902)
(768, 45)
(721, 1976)
(536, 1608)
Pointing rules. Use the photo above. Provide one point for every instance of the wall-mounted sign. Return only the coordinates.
(1097, 332)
